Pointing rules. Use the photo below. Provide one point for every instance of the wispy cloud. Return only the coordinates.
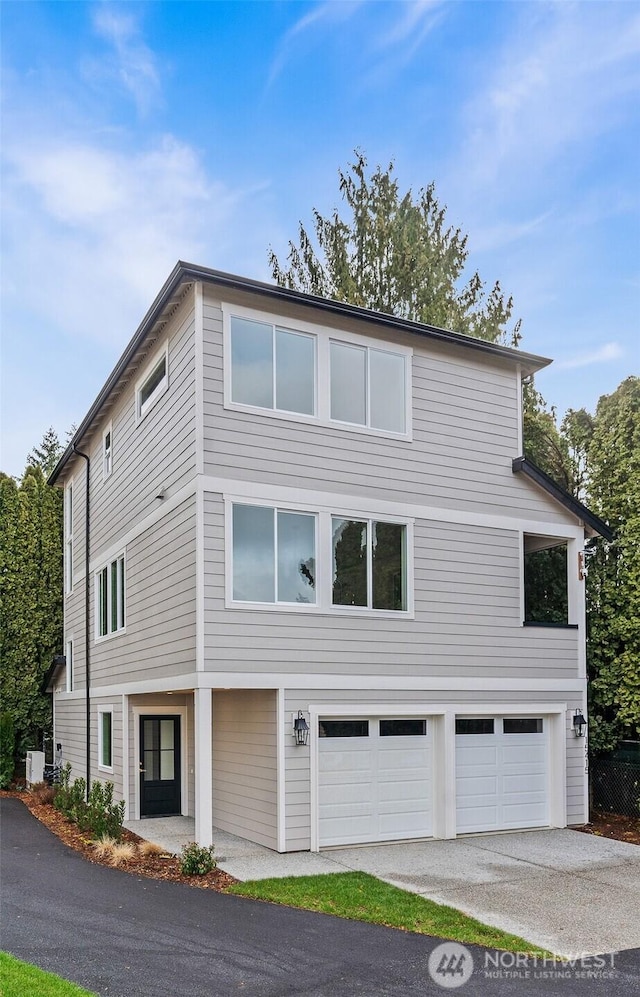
(129, 63)
(604, 354)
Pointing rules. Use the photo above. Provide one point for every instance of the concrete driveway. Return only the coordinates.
(564, 890)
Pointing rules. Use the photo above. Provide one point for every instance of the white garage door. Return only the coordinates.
(502, 773)
(375, 780)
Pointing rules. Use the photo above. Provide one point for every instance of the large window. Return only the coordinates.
(110, 598)
(368, 387)
(546, 600)
(105, 738)
(369, 560)
(307, 372)
(68, 533)
(153, 385)
(272, 368)
(274, 555)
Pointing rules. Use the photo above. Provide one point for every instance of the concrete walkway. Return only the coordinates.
(569, 892)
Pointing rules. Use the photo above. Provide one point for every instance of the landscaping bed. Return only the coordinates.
(154, 865)
(617, 826)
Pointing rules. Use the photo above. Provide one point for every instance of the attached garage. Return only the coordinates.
(502, 773)
(375, 779)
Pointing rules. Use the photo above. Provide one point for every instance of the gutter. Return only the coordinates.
(87, 646)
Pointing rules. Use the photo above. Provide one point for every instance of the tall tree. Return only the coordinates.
(543, 442)
(30, 591)
(395, 254)
(613, 589)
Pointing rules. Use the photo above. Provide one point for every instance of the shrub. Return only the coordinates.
(98, 814)
(70, 796)
(196, 860)
(121, 851)
(7, 747)
(103, 846)
(42, 792)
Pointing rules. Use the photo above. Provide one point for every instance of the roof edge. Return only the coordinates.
(522, 465)
(185, 272)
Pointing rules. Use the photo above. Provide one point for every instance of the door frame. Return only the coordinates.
(151, 710)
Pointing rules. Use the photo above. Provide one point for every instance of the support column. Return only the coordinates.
(203, 765)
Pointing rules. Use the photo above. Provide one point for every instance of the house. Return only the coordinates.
(297, 540)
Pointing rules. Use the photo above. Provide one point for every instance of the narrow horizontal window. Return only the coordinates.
(474, 725)
(152, 387)
(344, 728)
(522, 725)
(403, 728)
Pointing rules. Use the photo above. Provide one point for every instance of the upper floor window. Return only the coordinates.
(369, 564)
(274, 555)
(314, 560)
(311, 373)
(546, 598)
(68, 534)
(107, 451)
(110, 598)
(368, 387)
(153, 385)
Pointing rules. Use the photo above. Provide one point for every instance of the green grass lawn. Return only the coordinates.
(19, 979)
(361, 897)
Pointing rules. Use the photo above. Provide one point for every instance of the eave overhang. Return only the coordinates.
(594, 526)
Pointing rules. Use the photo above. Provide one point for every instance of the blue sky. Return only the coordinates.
(138, 134)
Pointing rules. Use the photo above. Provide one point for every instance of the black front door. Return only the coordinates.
(159, 766)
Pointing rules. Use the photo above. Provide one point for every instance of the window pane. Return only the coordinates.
(167, 764)
(106, 740)
(348, 383)
(152, 382)
(114, 596)
(121, 594)
(296, 558)
(387, 391)
(522, 725)
(344, 728)
(251, 362)
(167, 728)
(102, 602)
(474, 726)
(253, 554)
(545, 583)
(403, 728)
(295, 372)
(349, 563)
(388, 566)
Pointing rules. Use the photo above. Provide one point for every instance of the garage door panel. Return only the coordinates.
(502, 779)
(391, 773)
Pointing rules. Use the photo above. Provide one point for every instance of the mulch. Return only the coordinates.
(617, 826)
(160, 866)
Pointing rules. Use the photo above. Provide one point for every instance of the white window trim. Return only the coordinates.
(69, 664)
(99, 638)
(110, 709)
(324, 561)
(324, 336)
(575, 589)
(143, 409)
(107, 455)
(68, 535)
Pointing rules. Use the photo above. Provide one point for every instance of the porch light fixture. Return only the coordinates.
(301, 729)
(579, 724)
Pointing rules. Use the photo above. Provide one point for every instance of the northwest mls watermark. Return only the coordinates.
(451, 965)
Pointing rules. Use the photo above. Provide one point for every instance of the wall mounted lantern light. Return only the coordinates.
(301, 729)
(579, 724)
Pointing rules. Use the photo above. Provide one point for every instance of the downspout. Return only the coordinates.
(87, 668)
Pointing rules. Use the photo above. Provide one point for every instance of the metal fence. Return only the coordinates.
(615, 785)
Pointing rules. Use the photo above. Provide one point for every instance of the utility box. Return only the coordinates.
(35, 767)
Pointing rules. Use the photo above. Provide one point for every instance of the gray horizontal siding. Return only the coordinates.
(467, 618)
(464, 436)
(244, 765)
(160, 605)
(69, 731)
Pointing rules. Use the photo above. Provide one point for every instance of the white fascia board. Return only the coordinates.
(435, 709)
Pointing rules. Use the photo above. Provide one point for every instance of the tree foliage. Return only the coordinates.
(395, 254)
(613, 590)
(30, 593)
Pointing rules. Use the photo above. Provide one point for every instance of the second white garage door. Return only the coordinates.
(502, 773)
(375, 780)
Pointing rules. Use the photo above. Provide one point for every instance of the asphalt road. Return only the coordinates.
(120, 936)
